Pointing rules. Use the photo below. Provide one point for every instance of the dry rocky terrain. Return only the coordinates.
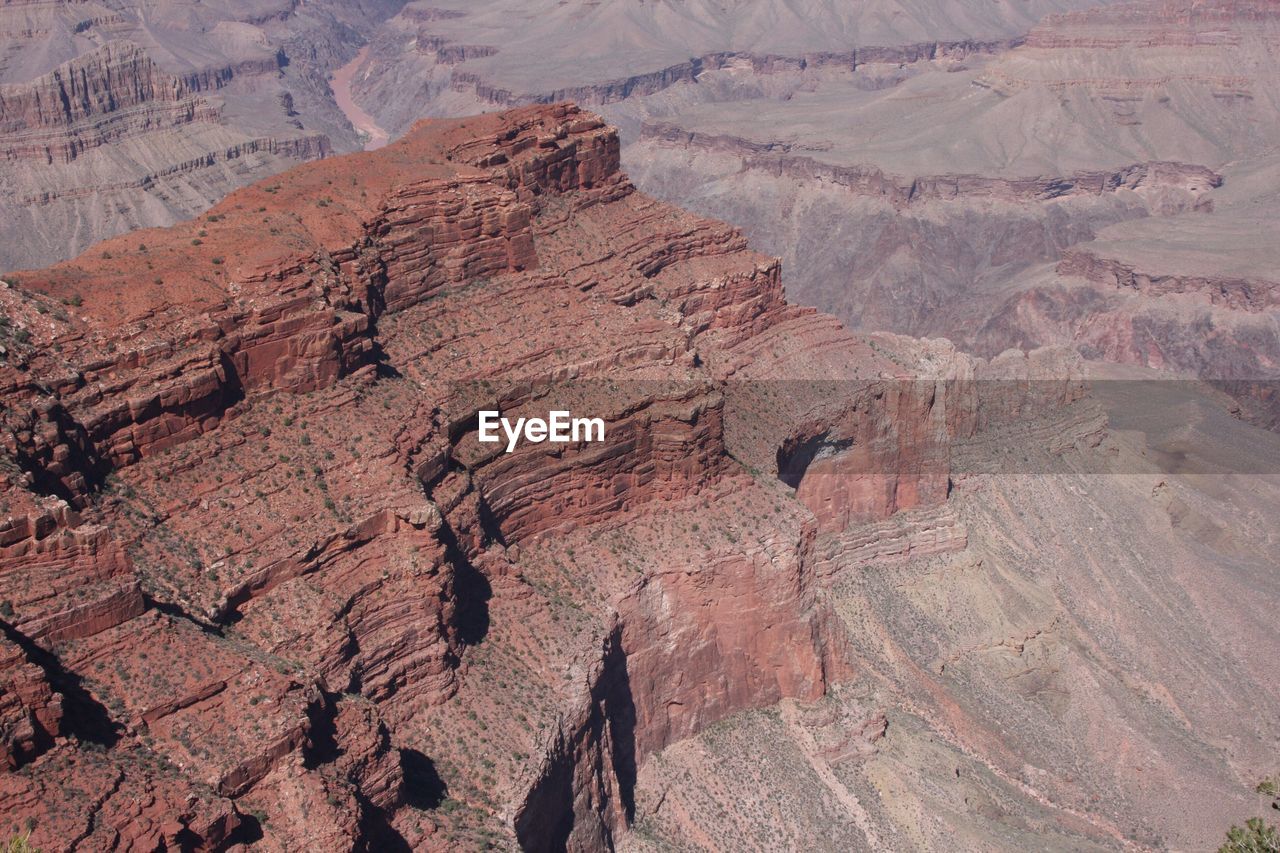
(263, 586)
(964, 541)
(1103, 177)
(117, 115)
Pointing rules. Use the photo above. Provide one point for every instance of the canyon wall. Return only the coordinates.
(252, 454)
(112, 120)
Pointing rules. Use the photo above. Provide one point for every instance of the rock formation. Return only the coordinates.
(123, 117)
(254, 547)
(263, 585)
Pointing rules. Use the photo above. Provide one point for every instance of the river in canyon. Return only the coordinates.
(375, 137)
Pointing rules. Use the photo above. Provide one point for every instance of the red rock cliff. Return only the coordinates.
(254, 545)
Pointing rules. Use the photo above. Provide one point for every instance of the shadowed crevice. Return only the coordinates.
(84, 717)
(797, 454)
(423, 787)
(595, 764)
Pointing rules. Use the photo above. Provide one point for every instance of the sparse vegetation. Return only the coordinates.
(20, 843)
(1256, 836)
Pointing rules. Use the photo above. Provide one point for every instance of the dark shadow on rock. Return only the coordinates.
(798, 453)
(384, 367)
(604, 746)
(322, 733)
(188, 839)
(377, 835)
(620, 711)
(471, 590)
(174, 611)
(81, 457)
(248, 832)
(83, 716)
(490, 525)
(423, 787)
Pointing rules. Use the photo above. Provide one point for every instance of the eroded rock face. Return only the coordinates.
(256, 548)
(111, 93)
(259, 565)
(253, 537)
(118, 118)
(32, 712)
(1132, 221)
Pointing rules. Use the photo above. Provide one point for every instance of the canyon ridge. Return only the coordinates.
(264, 587)
(963, 539)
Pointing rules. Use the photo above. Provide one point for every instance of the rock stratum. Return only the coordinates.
(121, 115)
(115, 116)
(261, 586)
(1107, 183)
(926, 169)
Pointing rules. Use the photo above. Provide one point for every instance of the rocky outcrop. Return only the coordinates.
(30, 711)
(1147, 24)
(260, 541)
(1241, 294)
(112, 120)
(64, 579)
(112, 801)
(652, 82)
(104, 96)
(1152, 26)
(300, 148)
(777, 159)
(722, 629)
(1199, 326)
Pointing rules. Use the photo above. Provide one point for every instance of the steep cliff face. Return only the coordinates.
(106, 95)
(1231, 292)
(254, 540)
(259, 564)
(117, 119)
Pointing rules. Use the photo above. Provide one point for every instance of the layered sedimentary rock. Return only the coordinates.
(1150, 25)
(120, 118)
(1229, 291)
(103, 96)
(257, 550)
(778, 160)
(448, 58)
(1105, 185)
(253, 538)
(32, 711)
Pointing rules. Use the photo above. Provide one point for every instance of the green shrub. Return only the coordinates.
(1255, 837)
(20, 843)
